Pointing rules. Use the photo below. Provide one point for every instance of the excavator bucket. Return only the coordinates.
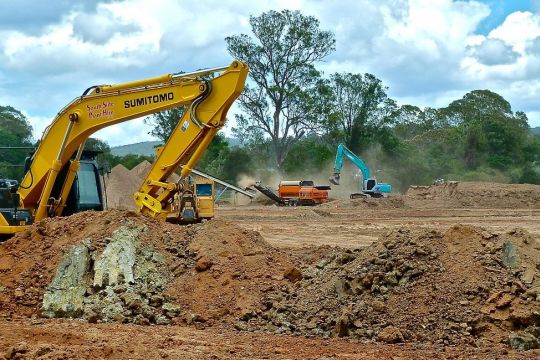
(334, 179)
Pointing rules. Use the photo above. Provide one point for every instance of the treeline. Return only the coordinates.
(15, 142)
(476, 138)
(293, 117)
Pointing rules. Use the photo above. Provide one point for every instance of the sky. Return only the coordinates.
(428, 52)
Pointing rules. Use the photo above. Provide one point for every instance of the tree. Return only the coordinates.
(280, 100)
(14, 122)
(492, 133)
(224, 162)
(238, 162)
(309, 156)
(214, 157)
(15, 131)
(360, 109)
(165, 122)
(94, 144)
(476, 106)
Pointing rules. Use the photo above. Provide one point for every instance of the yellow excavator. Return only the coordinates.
(47, 188)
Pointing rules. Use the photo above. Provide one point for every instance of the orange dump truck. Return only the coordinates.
(302, 192)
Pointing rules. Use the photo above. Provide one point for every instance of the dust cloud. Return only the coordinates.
(246, 181)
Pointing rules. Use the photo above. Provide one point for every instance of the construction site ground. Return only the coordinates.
(451, 238)
(351, 227)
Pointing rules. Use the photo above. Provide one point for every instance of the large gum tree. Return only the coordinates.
(280, 101)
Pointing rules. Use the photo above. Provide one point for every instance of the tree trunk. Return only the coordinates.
(278, 151)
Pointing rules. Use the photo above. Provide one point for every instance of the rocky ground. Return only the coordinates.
(461, 286)
(223, 290)
(119, 266)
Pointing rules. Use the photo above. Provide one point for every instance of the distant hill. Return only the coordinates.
(146, 148)
(536, 130)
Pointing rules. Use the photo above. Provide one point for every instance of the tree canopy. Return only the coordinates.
(14, 122)
(15, 131)
(280, 99)
(359, 109)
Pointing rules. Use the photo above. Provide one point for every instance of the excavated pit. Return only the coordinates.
(466, 285)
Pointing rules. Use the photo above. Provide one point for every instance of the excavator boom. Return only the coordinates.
(189, 141)
(369, 185)
(343, 151)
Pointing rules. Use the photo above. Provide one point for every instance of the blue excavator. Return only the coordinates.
(370, 186)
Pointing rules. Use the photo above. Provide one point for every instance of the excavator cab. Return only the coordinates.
(370, 184)
(204, 192)
(86, 193)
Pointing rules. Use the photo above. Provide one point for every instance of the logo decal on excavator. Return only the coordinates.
(154, 99)
(102, 110)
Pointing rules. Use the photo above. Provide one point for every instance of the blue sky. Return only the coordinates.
(500, 9)
(428, 52)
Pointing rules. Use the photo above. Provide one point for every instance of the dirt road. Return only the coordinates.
(62, 339)
(355, 228)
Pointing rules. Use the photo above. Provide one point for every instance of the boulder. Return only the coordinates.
(523, 341)
(390, 335)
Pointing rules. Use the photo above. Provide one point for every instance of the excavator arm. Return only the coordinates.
(186, 145)
(343, 151)
(106, 105)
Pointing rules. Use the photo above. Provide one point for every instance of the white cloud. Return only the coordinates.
(518, 30)
(59, 50)
(426, 51)
(495, 52)
(415, 46)
(101, 27)
(125, 133)
(507, 61)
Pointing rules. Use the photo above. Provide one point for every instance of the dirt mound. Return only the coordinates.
(391, 202)
(122, 183)
(119, 266)
(474, 194)
(30, 261)
(463, 286)
(120, 186)
(234, 269)
(141, 170)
